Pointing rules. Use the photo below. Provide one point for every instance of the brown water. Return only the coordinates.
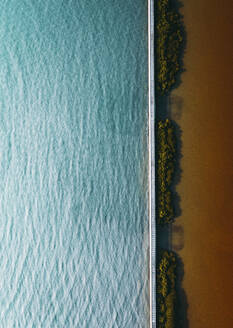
(202, 107)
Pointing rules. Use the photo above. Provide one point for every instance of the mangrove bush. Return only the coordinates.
(166, 289)
(169, 41)
(165, 170)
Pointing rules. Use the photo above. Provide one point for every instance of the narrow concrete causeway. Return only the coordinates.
(152, 198)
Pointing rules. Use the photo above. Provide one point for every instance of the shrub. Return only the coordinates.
(168, 45)
(166, 289)
(165, 170)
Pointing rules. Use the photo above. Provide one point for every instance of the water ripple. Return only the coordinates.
(73, 165)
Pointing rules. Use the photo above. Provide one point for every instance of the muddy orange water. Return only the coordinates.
(203, 234)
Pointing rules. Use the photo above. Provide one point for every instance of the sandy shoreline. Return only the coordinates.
(202, 107)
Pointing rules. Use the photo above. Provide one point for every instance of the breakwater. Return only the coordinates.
(152, 194)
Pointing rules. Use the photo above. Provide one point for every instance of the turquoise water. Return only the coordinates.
(73, 164)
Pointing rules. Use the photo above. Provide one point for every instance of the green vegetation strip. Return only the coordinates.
(165, 170)
(168, 46)
(166, 289)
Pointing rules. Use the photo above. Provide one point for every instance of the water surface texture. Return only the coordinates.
(73, 164)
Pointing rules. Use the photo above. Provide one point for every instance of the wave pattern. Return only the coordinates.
(73, 164)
